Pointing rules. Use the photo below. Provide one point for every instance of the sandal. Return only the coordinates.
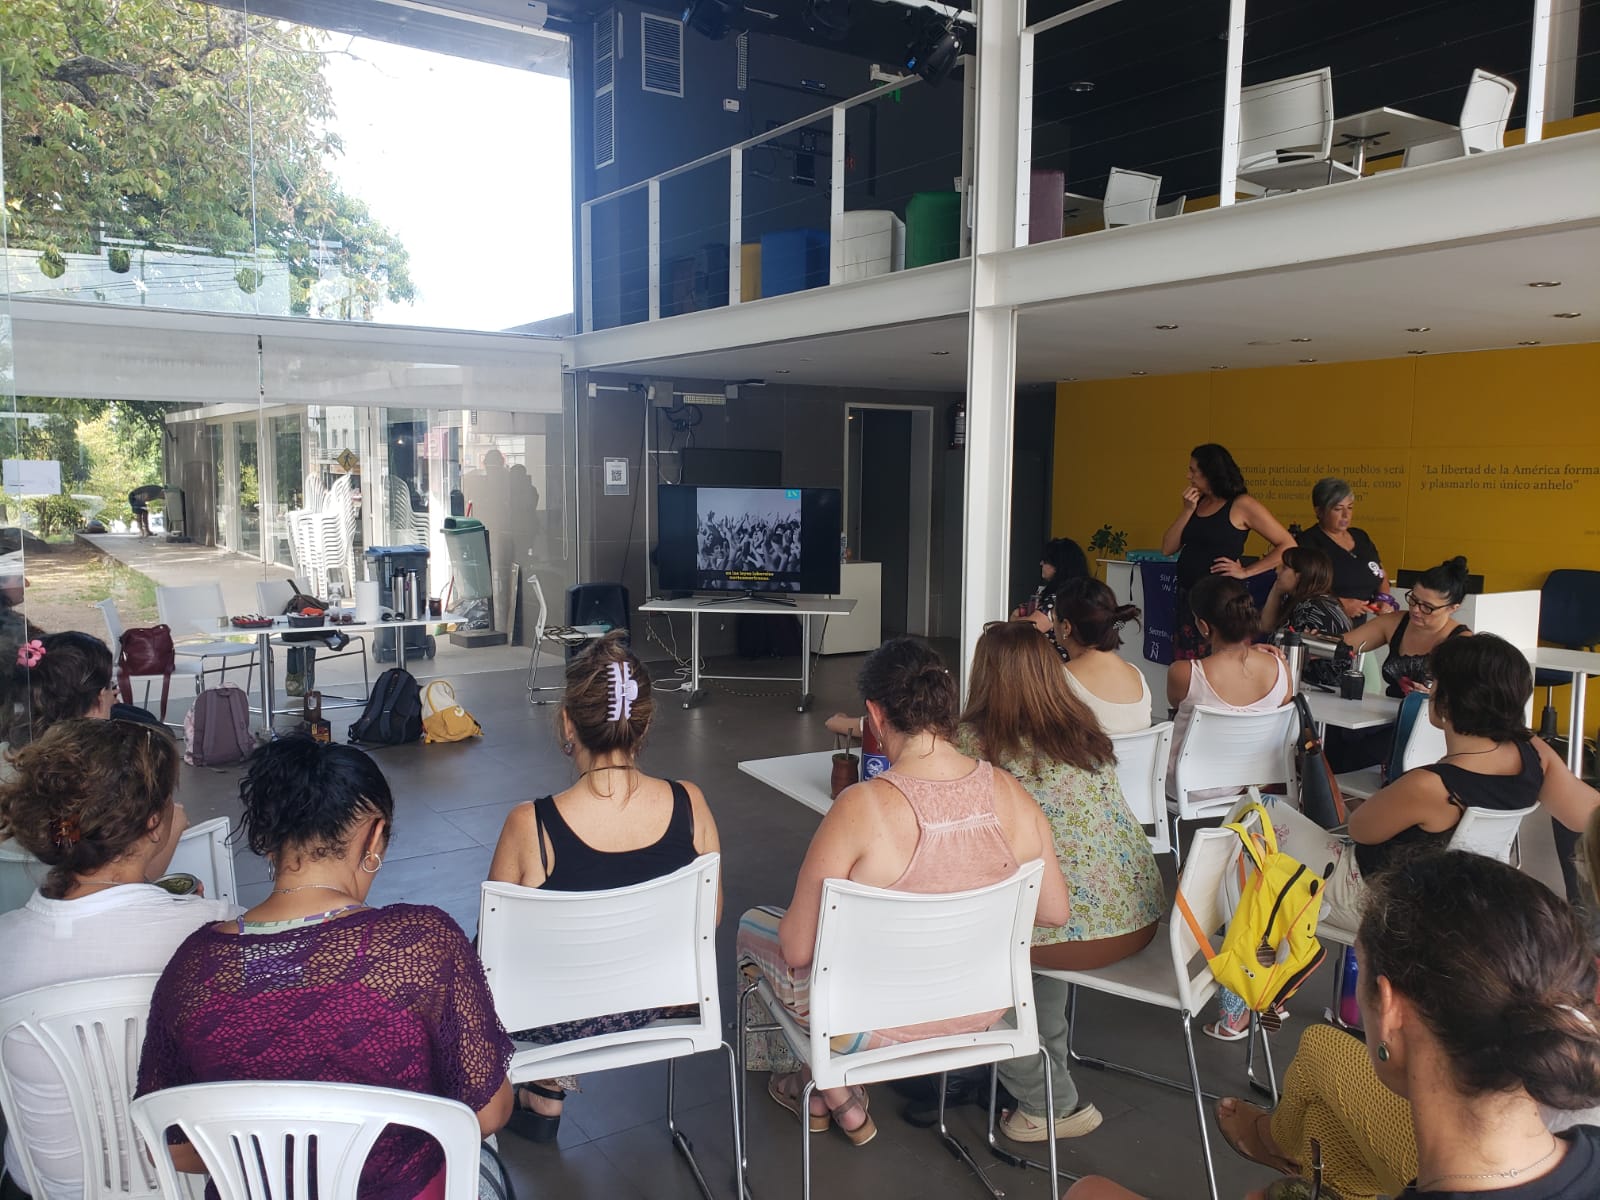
(1256, 1114)
(862, 1133)
(533, 1125)
(786, 1089)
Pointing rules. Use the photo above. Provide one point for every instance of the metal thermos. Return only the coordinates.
(397, 594)
(413, 594)
(1294, 653)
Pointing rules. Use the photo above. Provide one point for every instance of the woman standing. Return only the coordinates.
(1358, 575)
(1088, 626)
(1209, 535)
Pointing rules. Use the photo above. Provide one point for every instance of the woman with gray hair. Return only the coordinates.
(1358, 577)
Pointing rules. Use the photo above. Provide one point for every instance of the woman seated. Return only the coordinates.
(1412, 636)
(1478, 999)
(1021, 717)
(1060, 560)
(315, 984)
(93, 801)
(1359, 580)
(935, 822)
(1088, 627)
(1302, 596)
(614, 827)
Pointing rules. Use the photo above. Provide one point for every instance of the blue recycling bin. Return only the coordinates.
(793, 260)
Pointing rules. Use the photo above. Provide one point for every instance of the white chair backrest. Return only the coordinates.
(544, 610)
(563, 956)
(1489, 831)
(1293, 114)
(1142, 771)
(1485, 112)
(255, 1138)
(1424, 744)
(193, 610)
(273, 596)
(1172, 208)
(1130, 197)
(203, 852)
(1442, 150)
(1213, 858)
(92, 1033)
(1227, 749)
(886, 959)
(108, 610)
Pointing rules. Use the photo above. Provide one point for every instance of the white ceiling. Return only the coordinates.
(1471, 297)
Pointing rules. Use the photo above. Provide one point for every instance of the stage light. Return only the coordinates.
(712, 18)
(933, 52)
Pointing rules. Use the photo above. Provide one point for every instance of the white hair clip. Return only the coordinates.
(624, 691)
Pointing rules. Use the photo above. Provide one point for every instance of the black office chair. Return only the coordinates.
(598, 604)
(1569, 618)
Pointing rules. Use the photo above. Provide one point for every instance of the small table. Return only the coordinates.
(1580, 664)
(1088, 212)
(1388, 129)
(803, 777)
(804, 607)
(1369, 712)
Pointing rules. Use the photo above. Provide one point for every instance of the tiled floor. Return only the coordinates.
(613, 1145)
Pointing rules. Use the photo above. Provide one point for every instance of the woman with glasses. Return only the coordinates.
(1428, 622)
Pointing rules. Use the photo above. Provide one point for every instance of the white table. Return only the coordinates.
(804, 607)
(803, 777)
(1085, 211)
(1369, 712)
(1386, 129)
(1580, 664)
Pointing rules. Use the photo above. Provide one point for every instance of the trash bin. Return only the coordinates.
(383, 564)
(173, 516)
(471, 583)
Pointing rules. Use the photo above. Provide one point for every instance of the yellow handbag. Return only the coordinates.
(448, 722)
(1271, 945)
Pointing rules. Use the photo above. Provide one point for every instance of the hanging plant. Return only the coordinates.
(119, 260)
(248, 279)
(52, 264)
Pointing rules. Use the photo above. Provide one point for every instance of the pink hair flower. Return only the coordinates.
(29, 653)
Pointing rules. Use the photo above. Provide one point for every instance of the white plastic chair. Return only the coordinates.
(203, 852)
(1172, 208)
(1130, 197)
(1227, 749)
(1142, 771)
(565, 956)
(255, 1136)
(92, 1033)
(273, 596)
(1484, 115)
(566, 640)
(1171, 972)
(197, 611)
(1286, 133)
(180, 666)
(886, 959)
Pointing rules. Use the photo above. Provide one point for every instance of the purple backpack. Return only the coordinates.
(217, 728)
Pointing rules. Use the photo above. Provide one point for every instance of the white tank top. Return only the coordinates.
(1201, 692)
(1115, 716)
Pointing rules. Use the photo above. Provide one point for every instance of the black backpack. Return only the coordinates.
(393, 715)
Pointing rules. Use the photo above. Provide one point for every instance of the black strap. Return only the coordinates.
(538, 834)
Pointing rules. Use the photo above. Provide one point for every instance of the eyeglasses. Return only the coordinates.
(1422, 606)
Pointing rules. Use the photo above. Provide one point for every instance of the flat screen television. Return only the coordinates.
(736, 540)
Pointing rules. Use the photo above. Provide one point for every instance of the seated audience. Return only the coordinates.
(1359, 580)
(315, 984)
(935, 822)
(1022, 716)
(1302, 596)
(1478, 997)
(93, 802)
(1060, 562)
(1088, 628)
(1412, 635)
(614, 827)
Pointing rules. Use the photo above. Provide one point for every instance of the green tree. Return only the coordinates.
(135, 119)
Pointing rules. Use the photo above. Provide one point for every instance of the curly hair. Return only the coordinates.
(911, 684)
(67, 681)
(306, 796)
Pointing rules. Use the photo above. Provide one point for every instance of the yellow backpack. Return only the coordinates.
(446, 723)
(1271, 945)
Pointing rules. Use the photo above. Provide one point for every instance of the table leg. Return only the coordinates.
(695, 694)
(1575, 725)
(805, 663)
(264, 653)
(1358, 159)
(400, 646)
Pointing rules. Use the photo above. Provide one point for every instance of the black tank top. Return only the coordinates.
(1409, 666)
(1204, 540)
(581, 868)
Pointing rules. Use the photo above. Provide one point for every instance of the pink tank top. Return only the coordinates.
(960, 843)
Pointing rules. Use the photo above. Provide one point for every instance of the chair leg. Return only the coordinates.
(742, 1087)
(680, 1140)
(959, 1151)
(738, 1131)
(1270, 1088)
(1199, 1104)
(805, 1138)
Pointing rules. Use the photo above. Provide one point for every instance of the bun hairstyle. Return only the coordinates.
(1223, 476)
(1091, 608)
(1224, 603)
(609, 699)
(306, 797)
(1498, 968)
(906, 679)
(85, 792)
(1482, 684)
(66, 680)
(1449, 579)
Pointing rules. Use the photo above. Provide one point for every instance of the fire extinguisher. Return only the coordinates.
(958, 424)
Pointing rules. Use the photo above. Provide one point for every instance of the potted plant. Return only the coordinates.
(119, 260)
(52, 263)
(1109, 543)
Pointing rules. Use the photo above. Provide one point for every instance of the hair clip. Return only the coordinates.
(68, 831)
(1579, 1013)
(29, 653)
(624, 691)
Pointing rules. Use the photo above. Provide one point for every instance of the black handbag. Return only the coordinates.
(1320, 798)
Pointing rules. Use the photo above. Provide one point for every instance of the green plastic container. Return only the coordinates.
(933, 228)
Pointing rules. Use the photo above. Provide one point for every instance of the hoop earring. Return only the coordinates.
(371, 854)
(1383, 1051)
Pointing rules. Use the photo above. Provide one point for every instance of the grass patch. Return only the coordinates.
(106, 577)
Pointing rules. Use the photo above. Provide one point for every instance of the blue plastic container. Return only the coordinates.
(793, 260)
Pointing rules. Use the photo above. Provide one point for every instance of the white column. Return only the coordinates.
(836, 201)
(1232, 84)
(1538, 68)
(1561, 71)
(654, 234)
(991, 358)
(586, 263)
(735, 224)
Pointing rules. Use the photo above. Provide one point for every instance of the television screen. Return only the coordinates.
(722, 539)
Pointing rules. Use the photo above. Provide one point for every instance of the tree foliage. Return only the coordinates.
(179, 124)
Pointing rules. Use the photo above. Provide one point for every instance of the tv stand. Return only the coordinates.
(751, 598)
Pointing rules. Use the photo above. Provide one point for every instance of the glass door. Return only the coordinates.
(288, 480)
(246, 444)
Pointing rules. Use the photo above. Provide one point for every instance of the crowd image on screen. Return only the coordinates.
(750, 540)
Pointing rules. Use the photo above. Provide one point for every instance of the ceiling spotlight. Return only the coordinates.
(1070, 379)
(1264, 342)
(1299, 339)
(933, 51)
(1221, 367)
(1566, 316)
(781, 371)
(1081, 86)
(939, 353)
(1416, 351)
(1545, 283)
(1418, 328)
(1529, 342)
(1308, 360)
(1166, 326)
(1141, 372)
(827, 18)
(712, 18)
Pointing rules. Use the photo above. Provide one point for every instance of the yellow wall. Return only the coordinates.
(1495, 455)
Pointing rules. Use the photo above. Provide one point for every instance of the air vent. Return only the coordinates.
(661, 55)
(741, 79)
(605, 106)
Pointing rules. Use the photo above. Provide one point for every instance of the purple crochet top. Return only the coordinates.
(393, 997)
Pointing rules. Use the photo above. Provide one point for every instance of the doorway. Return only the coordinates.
(889, 505)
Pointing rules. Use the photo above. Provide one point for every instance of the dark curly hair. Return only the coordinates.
(1481, 685)
(67, 681)
(909, 682)
(306, 796)
(86, 792)
(1222, 474)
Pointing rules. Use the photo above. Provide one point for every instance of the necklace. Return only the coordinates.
(608, 767)
(1555, 1144)
(1470, 753)
(326, 887)
(103, 883)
